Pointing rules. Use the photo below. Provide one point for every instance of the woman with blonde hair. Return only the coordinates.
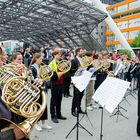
(34, 67)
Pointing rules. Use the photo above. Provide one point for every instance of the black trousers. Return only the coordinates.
(67, 86)
(56, 99)
(138, 126)
(138, 122)
(77, 98)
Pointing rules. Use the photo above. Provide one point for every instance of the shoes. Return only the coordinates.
(38, 127)
(81, 112)
(74, 114)
(61, 117)
(69, 95)
(89, 108)
(46, 126)
(55, 120)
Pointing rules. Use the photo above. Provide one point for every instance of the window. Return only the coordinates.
(122, 8)
(134, 22)
(111, 38)
(112, 11)
(122, 25)
(111, 48)
(134, 4)
(133, 34)
(125, 35)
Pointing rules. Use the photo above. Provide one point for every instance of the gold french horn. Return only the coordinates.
(22, 98)
(8, 71)
(45, 72)
(85, 61)
(97, 64)
(64, 65)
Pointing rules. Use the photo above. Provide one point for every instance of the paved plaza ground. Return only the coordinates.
(124, 129)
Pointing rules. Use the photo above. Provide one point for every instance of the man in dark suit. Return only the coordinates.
(138, 78)
(77, 97)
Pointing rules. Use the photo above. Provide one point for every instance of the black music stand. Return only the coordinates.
(119, 113)
(86, 113)
(77, 125)
(101, 129)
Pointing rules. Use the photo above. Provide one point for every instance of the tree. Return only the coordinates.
(127, 52)
(136, 41)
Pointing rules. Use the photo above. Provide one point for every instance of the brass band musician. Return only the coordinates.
(57, 81)
(11, 133)
(77, 95)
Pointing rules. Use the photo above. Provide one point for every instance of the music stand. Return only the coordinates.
(77, 125)
(101, 130)
(110, 99)
(118, 112)
(86, 113)
(80, 85)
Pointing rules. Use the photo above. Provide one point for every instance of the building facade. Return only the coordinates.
(126, 15)
(110, 2)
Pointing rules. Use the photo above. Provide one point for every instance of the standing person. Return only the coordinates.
(17, 59)
(13, 133)
(138, 77)
(35, 63)
(67, 79)
(27, 57)
(77, 98)
(90, 87)
(57, 81)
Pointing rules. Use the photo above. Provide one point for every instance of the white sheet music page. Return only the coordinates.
(81, 82)
(110, 93)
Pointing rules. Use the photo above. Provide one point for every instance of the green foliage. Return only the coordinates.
(136, 42)
(127, 52)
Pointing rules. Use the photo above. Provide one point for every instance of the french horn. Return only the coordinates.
(63, 65)
(8, 71)
(97, 64)
(85, 61)
(45, 72)
(22, 98)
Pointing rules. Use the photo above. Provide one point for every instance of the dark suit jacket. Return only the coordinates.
(74, 65)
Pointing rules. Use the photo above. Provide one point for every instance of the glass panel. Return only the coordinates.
(122, 25)
(133, 34)
(134, 22)
(111, 48)
(125, 34)
(122, 8)
(111, 38)
(119, 46)
(112, 11)
(134, 4)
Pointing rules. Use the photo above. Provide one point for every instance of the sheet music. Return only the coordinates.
(79, 71)
(110, 93)
(81, 82)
